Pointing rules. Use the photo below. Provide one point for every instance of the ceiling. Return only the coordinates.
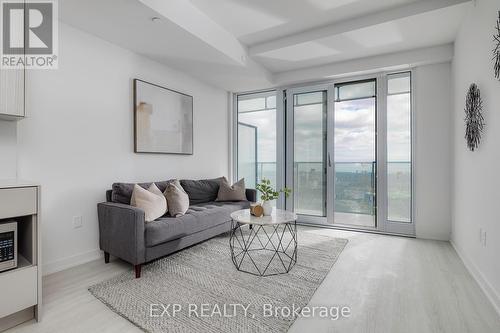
(434, 28)
(254, 21)
(241, 45)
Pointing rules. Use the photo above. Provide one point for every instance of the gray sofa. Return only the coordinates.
(124, 234)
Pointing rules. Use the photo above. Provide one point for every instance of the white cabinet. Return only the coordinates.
(21, 287)
(12, 93)
(17, 201)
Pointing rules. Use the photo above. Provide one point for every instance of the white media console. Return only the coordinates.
(21, 287)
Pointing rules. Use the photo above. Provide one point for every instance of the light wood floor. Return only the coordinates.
(391, 284)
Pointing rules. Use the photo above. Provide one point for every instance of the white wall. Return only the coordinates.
(433, 151)
(476, 174)
(8, 152)
(78, 138)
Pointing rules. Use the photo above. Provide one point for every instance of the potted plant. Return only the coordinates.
(268, 194)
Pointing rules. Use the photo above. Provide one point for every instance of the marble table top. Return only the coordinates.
(278, 216)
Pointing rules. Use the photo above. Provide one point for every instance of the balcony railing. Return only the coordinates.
(355, 187)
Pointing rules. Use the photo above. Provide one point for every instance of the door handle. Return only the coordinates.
(329, 161)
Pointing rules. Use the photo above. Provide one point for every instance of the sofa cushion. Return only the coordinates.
(198, 218)
(232, 193)
(201, 191)
(122, 192)
(151, 201)
(177, 199)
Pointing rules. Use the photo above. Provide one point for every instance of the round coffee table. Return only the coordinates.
(268, 246)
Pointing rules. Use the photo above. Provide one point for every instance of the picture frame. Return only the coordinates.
(163, 120)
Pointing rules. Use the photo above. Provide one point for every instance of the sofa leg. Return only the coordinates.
(106, 257)
(137, 269)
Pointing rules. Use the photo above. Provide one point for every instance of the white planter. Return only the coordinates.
(268, 208)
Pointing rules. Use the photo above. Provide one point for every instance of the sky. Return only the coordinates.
(354, 131)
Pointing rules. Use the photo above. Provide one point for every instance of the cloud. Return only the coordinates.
(354, 131)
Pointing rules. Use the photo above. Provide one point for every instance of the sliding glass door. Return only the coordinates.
(344, 148)
(306, 151)
(355, 147)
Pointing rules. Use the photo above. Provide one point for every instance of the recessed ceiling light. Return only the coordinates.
(155, 19)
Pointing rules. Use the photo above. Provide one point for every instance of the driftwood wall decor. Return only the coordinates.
(474, 120)
(496, 50)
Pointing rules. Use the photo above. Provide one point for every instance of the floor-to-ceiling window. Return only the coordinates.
(347, 149)
(399, 166)
(256, 133)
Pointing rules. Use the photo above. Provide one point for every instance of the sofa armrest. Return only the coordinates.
(251, 194)
(121, 231)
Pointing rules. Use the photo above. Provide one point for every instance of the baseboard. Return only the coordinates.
(485, 286)
(72, 261)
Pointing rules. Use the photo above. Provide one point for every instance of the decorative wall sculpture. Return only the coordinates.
(474, 120)
(496, 50)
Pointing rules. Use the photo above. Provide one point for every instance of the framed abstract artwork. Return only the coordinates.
(163, 120)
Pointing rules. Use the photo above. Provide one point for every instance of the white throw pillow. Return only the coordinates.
(151, 201)
(177, 198)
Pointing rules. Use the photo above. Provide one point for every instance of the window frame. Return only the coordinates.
(233, 140)
(384, 225)
(412, 148)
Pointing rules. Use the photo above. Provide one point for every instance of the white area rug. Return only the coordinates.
(199, 289)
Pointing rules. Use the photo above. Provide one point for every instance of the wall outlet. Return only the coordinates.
(482, 237)
(77, 222)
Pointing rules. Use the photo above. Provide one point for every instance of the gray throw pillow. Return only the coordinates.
(232, 193)
(177, 199)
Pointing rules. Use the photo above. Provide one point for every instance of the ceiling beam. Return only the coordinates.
(190, 18)
(395, 13)
(384, 62)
